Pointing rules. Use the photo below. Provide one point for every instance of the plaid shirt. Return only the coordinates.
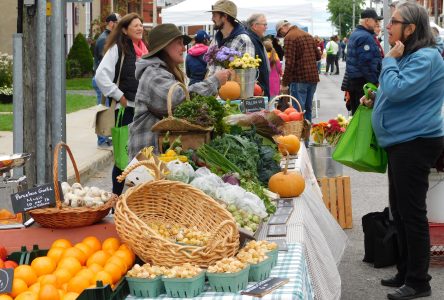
(301, 55)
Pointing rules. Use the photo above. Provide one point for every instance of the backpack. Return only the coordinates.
(380, 239)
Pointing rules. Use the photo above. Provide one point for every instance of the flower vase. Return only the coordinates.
(321, 161)
(246, 79)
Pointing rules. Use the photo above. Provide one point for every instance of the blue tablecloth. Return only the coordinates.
(291, 265)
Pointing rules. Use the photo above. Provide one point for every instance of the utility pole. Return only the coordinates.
(354, 11)
(340, 25)
(154, 13)
(435, 10)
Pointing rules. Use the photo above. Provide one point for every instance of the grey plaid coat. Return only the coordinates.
(151, 100)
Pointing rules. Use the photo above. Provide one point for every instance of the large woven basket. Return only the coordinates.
(292, 127)
(69, 217)
(174, 203)
(175, 124)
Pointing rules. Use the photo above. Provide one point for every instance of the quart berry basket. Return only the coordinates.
(184, 287)
(144, 287)
(229, 282)
(260, 271)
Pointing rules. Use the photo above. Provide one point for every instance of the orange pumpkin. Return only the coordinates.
(288, 143)
(287, 184)
(230, 90)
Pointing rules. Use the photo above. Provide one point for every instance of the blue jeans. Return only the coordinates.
(100, 139)
(304, 93)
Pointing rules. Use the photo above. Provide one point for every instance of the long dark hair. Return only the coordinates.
(171, 67)
(422, 37)
(117, 36)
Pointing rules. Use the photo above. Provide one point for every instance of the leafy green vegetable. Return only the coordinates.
(255, 187)
(216, 160)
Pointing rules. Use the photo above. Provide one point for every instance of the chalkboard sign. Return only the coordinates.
(277, 230)
(253, 104)
(277, 220)
(6, 277)
(265, 286)
(37, 197)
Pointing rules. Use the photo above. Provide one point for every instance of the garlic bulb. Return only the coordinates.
(66, 188)
(76, 185)
(80, 193)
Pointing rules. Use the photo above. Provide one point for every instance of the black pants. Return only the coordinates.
(128, 117)
(356, 92)
(409, 166)
(337, 64)
(330, 63)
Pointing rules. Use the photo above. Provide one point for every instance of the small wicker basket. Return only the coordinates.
(292, 127)
(69, 217)
(175, 124)
(173, 203)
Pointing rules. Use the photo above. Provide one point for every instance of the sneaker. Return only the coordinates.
(105, 146)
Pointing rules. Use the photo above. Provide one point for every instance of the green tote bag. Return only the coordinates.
(120, 141)
(358, 147)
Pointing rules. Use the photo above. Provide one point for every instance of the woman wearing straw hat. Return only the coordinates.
(157, 72)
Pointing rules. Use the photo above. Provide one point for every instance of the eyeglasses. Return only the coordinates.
(394, 22)
(265, 24)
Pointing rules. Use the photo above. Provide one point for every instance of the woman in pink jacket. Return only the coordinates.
(275, 69)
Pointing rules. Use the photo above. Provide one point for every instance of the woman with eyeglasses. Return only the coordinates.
(408, 123)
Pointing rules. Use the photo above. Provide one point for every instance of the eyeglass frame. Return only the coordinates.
(264, 24)
(394, 22)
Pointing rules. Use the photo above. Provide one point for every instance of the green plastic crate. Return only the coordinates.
(260, 271)
(143, 287)
(273, 254)
(184, 287)
(229, 282)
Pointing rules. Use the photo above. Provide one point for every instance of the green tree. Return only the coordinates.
(342, 14)
(81, 54)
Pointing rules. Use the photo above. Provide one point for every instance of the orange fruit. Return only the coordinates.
(93, 242)
(65, 286)
(62, 243)
(71, 264)
(56, 253)
(95, 268)
(49, 292)
(28, 295)
(100, 257)
(104, 276)
(77, 284)
(87, 273)
(111, 245)
(35, 287)
(126, 247)
(119, 262)
(85, 248)
(126, 255)
(76, 253)
(70, 296)
(43, 265)
(61, 293)
(48, 279)
(26, 273)
(63, 276)
(18, 286)
(113, 270)
(5, 297)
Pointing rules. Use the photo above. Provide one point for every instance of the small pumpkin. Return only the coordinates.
(288, 143)
(287, 184)
(230, 90)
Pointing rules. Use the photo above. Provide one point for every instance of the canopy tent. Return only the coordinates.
(195, 12)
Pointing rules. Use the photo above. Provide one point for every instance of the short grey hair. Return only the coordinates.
(253, 19)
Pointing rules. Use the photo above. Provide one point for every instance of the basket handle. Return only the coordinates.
(229, 223)
(55, 170)
(147, 163)
(272, 102)
(170, 96)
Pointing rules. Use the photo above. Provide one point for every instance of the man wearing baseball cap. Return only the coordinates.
(363, 57)
(231, 33)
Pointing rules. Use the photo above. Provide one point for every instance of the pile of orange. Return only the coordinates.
(68, 269)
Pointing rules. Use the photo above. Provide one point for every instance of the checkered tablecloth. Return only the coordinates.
(290, 265)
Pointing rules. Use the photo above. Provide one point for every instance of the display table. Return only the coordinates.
(312, 225)
(291, 265)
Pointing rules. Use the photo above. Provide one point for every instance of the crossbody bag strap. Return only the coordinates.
(103, 100)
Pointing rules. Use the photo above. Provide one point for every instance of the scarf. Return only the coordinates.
(140, 49)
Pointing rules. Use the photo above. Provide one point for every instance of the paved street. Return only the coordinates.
(369, 194)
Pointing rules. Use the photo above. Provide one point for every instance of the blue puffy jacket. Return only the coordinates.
(195, 66)
(363, 55)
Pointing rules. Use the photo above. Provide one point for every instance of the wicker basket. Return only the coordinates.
(69, 217)
(174, 203)
(292, 127)
(172, 123)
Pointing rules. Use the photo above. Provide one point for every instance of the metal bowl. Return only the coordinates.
(8, 162)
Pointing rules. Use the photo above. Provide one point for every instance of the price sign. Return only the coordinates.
(6, 277)
(253, 104)
(277, 230)
(41, 196)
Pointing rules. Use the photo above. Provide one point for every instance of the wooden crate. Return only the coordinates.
(337, 199)
(190, 139)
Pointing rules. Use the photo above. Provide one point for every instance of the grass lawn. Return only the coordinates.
(79, 84)
(73, 103)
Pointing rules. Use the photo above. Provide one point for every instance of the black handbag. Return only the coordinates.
(380, 239)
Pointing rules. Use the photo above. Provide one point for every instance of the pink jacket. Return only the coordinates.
(275, 77)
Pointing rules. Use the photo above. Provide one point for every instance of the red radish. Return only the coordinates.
(296, 116)
(290, 110)
(284, 117)
(10, 264)
(257, 90)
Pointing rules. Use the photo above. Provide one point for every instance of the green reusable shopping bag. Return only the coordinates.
(120, 141)
(358, 147)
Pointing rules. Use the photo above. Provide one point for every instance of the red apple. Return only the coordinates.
(284, 117)
(296, 116)
(258, 90)
(290, 110)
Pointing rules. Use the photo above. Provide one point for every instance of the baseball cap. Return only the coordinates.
(281, 24)
(201, 35)
(370, 14)
(112, 18)
(225, 6)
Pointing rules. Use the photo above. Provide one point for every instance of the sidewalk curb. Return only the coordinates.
(88, 170)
